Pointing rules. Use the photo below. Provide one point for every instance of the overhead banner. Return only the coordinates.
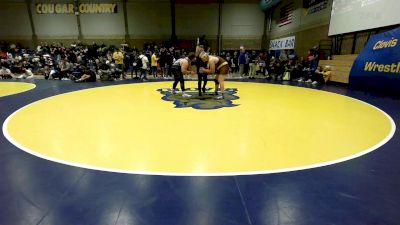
(314, 6)
(69, 8)
(267, 4)
(378, 65)
(310, 3)
(282, 43)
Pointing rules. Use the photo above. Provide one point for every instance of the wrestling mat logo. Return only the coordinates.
(206, 101)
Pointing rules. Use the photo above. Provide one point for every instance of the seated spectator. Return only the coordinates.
(27, 74)
(322, 75)
(5, 73)
(3, 54)
(116, 72)
(16, 68)
(318, 76)
(54, 73)
(297, 71)
(46, 72)
(88, 76)
(306, 73)
(105, 72)
(77, 72)
(65, 69)
(292, 55)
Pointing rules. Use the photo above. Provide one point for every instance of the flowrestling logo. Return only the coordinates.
(206, 101)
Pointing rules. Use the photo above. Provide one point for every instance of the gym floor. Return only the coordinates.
(133, 153)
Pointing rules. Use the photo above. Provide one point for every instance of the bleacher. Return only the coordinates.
(340, 66)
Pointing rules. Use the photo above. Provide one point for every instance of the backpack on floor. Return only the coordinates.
(286, 76)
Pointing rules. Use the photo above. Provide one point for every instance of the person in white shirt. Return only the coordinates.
(145, 65)
(5, 73)
(179, 68)
(27, 74)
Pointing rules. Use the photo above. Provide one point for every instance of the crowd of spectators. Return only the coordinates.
(279, 65)
(90, 62)
(82, 62)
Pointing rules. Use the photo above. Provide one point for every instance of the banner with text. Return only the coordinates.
(377, 67)
(69, 8)
(282, 43)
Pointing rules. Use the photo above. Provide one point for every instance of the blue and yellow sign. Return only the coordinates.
(378, 65)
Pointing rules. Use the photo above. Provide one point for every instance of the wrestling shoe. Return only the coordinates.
(186, 95)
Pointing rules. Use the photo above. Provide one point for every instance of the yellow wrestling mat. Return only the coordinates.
(10, 88)
(130, 129)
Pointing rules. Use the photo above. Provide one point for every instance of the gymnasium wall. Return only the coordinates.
(242, 25)
(194, 20)
(50, 26)
(148, 20)
(96, 26)
(17, 26)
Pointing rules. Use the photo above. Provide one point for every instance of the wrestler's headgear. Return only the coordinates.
(203, 56)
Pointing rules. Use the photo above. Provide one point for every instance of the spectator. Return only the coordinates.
(247, 64)
(145, 66)
(88, 76)
(118, 57)
(154, 61)
(5, 73)
(252, 64)
(27, 74)
(105, 71)
(65, 69)
(235, 62)
(242, 61)
(77, 72)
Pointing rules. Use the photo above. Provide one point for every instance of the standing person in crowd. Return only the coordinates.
(252, 64)
(242, 61)
(179, 68)
(264, 62)
(128, 61)
(145, 66)
(148, 53)
(163, 61)
(168, 64)
(118, 57)
(219, 66)
(154, 61)
(228, 58)
(247, 63)
(136, 65)
(235, 62)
